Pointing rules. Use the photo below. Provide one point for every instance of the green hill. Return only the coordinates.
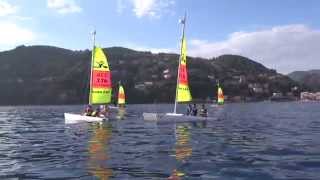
(51, 75)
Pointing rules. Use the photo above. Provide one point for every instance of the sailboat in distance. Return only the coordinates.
(121, 96)
(220, 95)
(100, 86)
(182, 88)
(121, 101)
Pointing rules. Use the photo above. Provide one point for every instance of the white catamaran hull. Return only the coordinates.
(173, 117)
(113, 107)
(77, 118)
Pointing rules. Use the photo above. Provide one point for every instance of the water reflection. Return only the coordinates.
(121, 113)
(183, 149)
(98, 150)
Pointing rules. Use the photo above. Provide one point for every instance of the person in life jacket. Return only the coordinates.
(203, 111)
(88, 110)
(194, 110)
(96, 113)
(104, 111)
(189, 110)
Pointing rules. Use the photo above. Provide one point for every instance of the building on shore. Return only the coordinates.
(308, 96)
(278, 96)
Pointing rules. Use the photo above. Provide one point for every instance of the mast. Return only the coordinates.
(183, 22)
(119, 84)
(91, 66)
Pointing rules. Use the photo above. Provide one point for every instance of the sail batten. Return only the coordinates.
(100, 85)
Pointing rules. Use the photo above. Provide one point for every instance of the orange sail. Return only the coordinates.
(220, 96)
(121, 96)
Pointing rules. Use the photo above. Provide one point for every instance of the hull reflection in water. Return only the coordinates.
(98, 151)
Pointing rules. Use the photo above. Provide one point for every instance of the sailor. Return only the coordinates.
(194, 110)
(88, 111)
(203, 111)
(189, 110)
(103, 111)
(96, 113)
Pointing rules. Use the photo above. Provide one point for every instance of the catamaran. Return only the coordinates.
(100, 86)
(121, 98)
(121, 103)
(183, 94)
(220, 96)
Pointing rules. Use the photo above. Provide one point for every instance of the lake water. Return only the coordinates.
(248, 141)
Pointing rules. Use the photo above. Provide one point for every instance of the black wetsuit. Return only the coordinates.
(194, 111)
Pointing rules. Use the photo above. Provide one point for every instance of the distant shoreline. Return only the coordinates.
(171, 103)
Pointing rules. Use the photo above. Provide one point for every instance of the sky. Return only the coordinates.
(283, 35)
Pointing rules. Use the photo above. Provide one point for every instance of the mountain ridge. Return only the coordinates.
(53, 75)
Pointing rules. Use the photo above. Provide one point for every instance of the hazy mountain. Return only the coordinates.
(310, 79)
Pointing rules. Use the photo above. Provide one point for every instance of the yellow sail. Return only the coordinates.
(100, 85)
(121, 95)
(184, 94)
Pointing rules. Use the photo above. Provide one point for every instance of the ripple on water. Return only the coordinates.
(248, 141)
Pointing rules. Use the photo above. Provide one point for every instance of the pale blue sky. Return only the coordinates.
(281, 34)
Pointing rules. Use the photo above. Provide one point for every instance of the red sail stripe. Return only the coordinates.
(220, 96)
(183, 75)
(121, 96)
(101, 79)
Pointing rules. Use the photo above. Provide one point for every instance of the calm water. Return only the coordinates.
(248, 141)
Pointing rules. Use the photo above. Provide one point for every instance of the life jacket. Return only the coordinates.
(203, 112)
(88, 112)
(95, 113)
